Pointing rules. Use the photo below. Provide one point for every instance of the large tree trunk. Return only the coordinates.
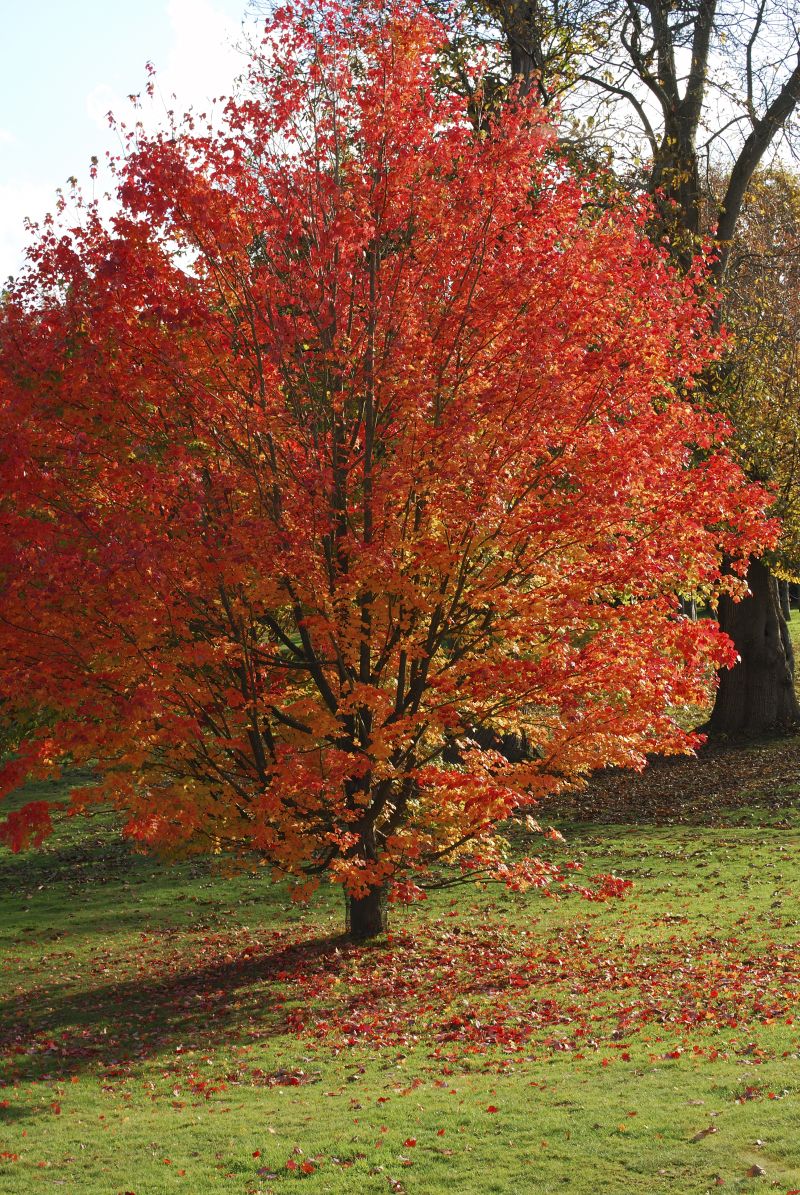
(757, 696)
(783, 594)
(367, 915)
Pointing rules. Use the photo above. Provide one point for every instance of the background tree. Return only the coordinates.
(759, 386)
(352, 430)
(674, 95)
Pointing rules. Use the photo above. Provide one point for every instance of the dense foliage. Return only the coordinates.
(760, 378)
(354, 433)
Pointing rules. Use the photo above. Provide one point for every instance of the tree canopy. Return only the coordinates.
(351, 432)
(760, 385)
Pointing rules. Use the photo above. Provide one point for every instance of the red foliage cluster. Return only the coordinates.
(357, 430)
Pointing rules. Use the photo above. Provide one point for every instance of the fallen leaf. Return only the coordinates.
(712, 1128)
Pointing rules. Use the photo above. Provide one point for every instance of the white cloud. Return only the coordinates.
(200, 64)
(19, 200)
(6, 137)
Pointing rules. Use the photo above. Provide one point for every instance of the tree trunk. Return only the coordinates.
(757, 696)
(786, 605)
(367, 915)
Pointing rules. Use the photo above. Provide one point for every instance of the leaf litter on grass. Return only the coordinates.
(457, 989)
(191, 1014)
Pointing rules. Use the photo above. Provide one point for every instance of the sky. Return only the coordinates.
(65, 63)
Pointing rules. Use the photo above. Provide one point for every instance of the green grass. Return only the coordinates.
(170, 1029)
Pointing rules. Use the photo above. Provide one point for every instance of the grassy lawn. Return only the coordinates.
(171, 1029)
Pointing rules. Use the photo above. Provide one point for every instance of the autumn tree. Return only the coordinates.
(353, 431)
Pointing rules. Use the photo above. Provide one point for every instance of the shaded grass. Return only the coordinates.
(159, 1020)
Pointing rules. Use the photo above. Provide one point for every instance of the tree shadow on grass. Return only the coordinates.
(92, 861)
(104, 886)
(56, 1031)
(709, 789)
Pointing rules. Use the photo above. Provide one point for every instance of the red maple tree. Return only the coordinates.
(355, 434)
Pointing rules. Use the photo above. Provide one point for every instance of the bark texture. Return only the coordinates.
(757, 696)
(367, 915)
(786, 605)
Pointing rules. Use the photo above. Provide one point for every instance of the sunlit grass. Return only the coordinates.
(168, 1029)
